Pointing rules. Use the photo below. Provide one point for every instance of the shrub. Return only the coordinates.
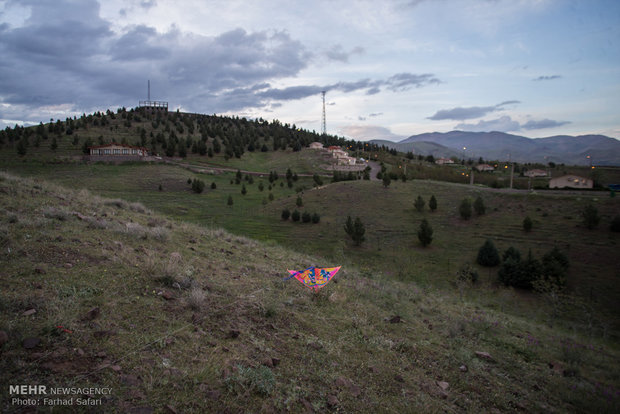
(286, 213)
(419, 204)
(615, 224)
(479, 206)
(511, 252)
(467, 274)
(261, 186)
(296, 215)
(465, 209)
(299, 202)
(213, 185)
(198, 186)
(590, 216)
(488, 255)
(244, 191)
(244, 381)
(432, 203)
(527, 224)
(425, 233)
(355, 230)
(316, 218)
(271, 197)
(306, 217)
(230, 200)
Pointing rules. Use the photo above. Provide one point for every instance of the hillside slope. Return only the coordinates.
(180, 318)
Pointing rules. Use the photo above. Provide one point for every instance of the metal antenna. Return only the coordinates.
(149, 83)
(324, 129)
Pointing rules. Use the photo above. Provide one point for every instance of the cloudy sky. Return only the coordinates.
(391, 69)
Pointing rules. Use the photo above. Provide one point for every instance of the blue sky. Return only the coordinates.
(391, 68)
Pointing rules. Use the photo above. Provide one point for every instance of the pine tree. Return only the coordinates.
(386, 180)
(244, 191)
(425, 233)
(488, 254)
(527, 224)
(432, 203)
(419, 204)
(299, 202)
(590, 216)
(465, 209)
(230, 200)
(479, 206)
(285, 214)
(296, 215)
(355, 230)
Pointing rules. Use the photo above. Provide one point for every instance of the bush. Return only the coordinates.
(615, 224)
(230, 200)
(316, 218)
(296, 215)
(527, 224)
(465, 209)
(425, 233)
(467, 274)
(432, 203)
(419, 204)
(285, 214)
(488, 255)
(198, 186)
(590, 216)
(306, 217)
(213, 185)
(479, 206)
(244, 381)
(511, 252)
(244, 191)
(299, 202)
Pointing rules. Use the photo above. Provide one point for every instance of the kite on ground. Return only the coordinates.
(314, 277)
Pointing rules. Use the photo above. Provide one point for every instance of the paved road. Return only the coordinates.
(375, 167)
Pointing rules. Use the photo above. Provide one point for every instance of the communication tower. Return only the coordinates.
(324, 123)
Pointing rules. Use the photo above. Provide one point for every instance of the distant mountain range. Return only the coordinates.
(566, 149)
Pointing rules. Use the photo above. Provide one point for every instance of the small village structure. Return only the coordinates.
(341, 156)
(117, 152)
(571, 181)
(535, 173)
(316, 145)
(442, 161)
(484, 167)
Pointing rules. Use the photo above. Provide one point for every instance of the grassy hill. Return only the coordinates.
(180, 317)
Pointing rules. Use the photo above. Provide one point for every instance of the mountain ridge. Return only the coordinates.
(601, 149)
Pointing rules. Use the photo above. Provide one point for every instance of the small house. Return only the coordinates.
(535, 173)
(571, 181)
(442, 161)
(484, 167)
(316, 145)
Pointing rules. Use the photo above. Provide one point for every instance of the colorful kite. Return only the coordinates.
(314, 277)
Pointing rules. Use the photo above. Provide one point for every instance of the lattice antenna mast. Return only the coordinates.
(324, 123)
(149, 89)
